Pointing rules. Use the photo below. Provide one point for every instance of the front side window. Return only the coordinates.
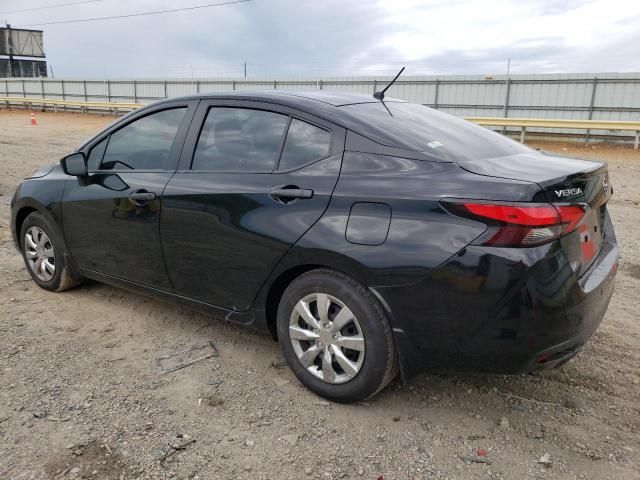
(96, 154)
(305, 144)
(144, 144)
(239, 140)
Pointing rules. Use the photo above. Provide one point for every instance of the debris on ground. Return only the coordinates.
(211, 400)
(175, 444)
(475, 459)
(279, 364)
(545, 460)
(291, 438)
(504, 423)
(531, 400)
(281, 382)
(170, 362)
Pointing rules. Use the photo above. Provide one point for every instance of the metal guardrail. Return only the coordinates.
(114, 107)
(522, 123)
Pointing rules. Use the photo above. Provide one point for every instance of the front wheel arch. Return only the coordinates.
(21, 216)
(65, 275)
(25, 206)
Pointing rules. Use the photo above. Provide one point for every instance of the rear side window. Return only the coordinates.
(239, 140)
(305, 143)
(144, 144)
(442, 136)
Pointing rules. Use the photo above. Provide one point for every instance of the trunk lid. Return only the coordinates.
(533, 166)
(562, 181)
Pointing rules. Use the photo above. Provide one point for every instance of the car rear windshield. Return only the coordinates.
(416, 127)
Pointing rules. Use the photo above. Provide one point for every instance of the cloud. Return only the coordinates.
(341, 38)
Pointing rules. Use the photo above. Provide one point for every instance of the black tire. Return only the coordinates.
(379, 365)
(64, 277)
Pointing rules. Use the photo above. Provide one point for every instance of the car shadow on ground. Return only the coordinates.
(543, 389)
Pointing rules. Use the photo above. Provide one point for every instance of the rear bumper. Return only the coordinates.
(501, 310)
(592, 294)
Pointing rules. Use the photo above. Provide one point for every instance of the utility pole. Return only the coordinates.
(245, 70)
(10, 43)
(507, 83)
(51, 68)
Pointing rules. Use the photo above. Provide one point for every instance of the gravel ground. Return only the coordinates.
(81, 396)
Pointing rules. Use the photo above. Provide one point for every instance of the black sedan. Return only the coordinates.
(367, 235)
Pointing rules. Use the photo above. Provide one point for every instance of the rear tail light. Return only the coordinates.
(519, 224)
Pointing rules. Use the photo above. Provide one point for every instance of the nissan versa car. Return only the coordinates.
(368, 235)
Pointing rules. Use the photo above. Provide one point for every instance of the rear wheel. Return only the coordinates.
(45, 255)
(335, 336)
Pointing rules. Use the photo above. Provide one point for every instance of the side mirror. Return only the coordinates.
(75, 164)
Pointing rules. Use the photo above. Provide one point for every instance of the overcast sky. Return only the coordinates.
(336, 38)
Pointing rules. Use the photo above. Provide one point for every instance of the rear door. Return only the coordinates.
(253, 178)
(111, 218)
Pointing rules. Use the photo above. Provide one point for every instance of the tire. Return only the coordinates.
(40, 240)
(323, 348)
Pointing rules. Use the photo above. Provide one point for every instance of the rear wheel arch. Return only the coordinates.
(277, 288)
(284, 279)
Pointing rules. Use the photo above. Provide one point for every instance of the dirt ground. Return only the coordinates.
(81, 396)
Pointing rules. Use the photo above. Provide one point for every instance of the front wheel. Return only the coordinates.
(336, 337)
(45, 254)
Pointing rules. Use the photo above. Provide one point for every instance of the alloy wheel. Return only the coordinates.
(327, 338)
(40, 254)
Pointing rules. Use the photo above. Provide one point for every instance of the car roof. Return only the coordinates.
(293, 97)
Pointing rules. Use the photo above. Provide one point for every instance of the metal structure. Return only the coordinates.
(524, 123)
(608, 97)
(22, 68)
(21, 43)
(84, 107)
(521, 123)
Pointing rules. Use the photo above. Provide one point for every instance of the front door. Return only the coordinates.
(111, 218)
(253, 179)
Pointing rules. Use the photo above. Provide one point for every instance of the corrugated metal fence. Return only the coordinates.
(611, 96)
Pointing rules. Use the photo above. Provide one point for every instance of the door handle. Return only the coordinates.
(140, 197)
(285, 195)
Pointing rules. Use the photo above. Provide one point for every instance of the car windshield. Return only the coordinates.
(443, 136)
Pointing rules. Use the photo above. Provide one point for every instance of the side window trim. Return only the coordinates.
(283, 140)
(338, 133)
(321, 127)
